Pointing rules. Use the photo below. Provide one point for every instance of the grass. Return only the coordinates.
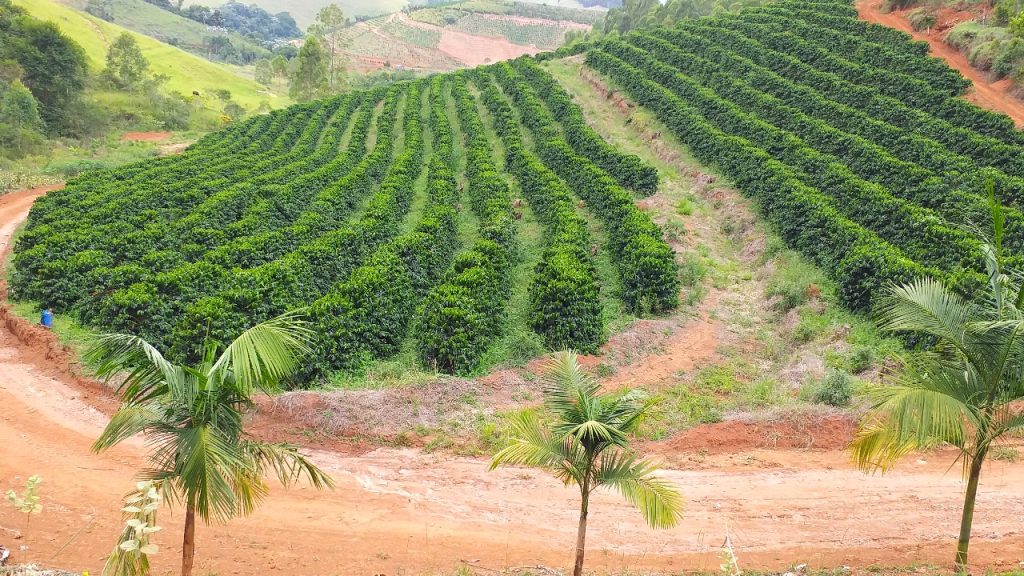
(69, 332)
(185, 72)
(305, 11)
(163, 25)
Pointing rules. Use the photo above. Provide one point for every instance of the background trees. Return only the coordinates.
(309, 77)
(53, 67)
(126, 67)
(329, 23)
(20, 123)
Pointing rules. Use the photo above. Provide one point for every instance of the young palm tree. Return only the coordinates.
(191, 417)
(586, 443)
(962, 390)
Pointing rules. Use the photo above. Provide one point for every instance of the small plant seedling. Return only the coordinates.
(28, 503)
(130, 556)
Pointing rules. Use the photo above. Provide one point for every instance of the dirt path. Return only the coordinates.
(145, 136)
(402, 511)
(991, 95)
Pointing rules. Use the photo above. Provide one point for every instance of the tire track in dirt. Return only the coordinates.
(991, 95)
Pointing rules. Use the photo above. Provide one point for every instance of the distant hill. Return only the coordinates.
(459, 34)
(304, 11)
(186, 72)
(145, 18)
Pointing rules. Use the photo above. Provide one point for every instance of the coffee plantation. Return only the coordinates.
(855, 144)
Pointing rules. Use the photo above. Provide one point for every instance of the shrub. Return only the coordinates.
(836, 389)
(1008, 58)
(922, 18)
(861, 359)
(566, 310)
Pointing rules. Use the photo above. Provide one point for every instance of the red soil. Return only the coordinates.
(991, 95)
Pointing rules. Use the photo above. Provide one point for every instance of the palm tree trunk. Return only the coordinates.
(968, 515)
(188, 548)
(581, 532)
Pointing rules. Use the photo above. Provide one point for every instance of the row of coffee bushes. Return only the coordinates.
(948, 193)
(918, 232)
(462, 316)
(909, 133)
(627, 169)
(165, 304)
(295, 280)
(859, 261)
(646, 264)
(857, 49)
(564, 293)
(911, 91)
(43, 271)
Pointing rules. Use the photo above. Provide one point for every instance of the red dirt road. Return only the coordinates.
(402, 511)
(991, 95)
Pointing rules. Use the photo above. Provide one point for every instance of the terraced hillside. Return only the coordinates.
(853, 141)
(390, 213)
(460, 34)
(453, 217)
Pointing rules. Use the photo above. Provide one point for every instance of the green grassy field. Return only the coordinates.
(186, 72)
(144, 18)
(304, 11)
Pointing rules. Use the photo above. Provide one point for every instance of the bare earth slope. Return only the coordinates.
(991, 95)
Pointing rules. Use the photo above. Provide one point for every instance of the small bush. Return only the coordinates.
(968, 34)
(835, 390)
(717, 379)
(685, 207)
(763, 393)
(698, 408)
(861, 359)
(692, 270)
(792, 282)
(921, 19)
(1009, 58)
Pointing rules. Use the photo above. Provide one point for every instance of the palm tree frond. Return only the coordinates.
(149, 371)
(128, 421)
(287, 463)
(265, 354)
(906, 419)
(207, 467)
(534, 446)
(926, 306)
(659, 502)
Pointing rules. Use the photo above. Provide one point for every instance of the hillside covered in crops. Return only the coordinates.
(475, 216)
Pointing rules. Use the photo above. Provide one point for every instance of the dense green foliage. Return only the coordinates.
(852, 139)
(50, 64)
(353, 208)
